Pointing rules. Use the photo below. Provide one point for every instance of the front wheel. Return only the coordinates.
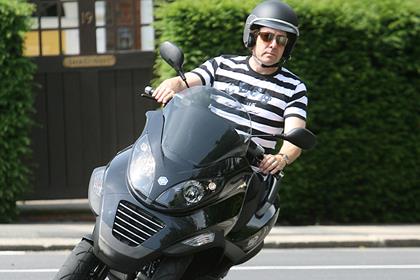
(82, 264)
(166, 269)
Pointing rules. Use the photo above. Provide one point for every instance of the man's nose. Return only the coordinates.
(273, 43)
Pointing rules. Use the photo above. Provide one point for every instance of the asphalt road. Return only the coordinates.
(289, 264)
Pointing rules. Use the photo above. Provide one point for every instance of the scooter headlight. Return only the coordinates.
(95, 189)
(141, 171)
(193, 192)
(188, 193)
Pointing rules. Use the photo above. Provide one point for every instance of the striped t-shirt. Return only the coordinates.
(269, 99)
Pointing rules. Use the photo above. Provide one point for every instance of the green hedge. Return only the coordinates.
(360, 61)
(202, 29)
(16, 103)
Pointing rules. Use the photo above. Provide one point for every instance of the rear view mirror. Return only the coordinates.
(172, 54)
(301, 137)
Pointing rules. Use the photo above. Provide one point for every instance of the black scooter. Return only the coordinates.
(183, 202)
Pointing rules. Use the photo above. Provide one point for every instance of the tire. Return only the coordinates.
(82, 264)
(115, 275)
(169, 269)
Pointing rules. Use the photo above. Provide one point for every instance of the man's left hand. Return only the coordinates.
(272, 164)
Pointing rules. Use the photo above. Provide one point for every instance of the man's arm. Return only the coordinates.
(288, 152)
(169, 87)
(288, 149)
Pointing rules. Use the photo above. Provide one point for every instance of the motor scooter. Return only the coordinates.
(184, 201)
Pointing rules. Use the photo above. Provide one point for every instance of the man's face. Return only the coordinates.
(269, 52)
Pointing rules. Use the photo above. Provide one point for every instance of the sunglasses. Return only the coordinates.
(268, 37)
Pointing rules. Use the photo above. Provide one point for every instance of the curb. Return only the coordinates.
(67, 205)
(61, 224)
(38, 244)
(44, 211)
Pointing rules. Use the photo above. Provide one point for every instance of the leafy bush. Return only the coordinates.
(360, 62)
(203, 29)
(16, 103)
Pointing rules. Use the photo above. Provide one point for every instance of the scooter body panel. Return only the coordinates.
(133, 230)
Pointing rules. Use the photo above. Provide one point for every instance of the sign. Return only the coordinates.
(89, 61)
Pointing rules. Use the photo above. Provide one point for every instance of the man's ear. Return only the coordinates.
(251, 40)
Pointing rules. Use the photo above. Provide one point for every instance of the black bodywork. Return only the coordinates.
(188, 142)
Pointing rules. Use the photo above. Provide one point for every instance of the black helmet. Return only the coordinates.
(273, 14)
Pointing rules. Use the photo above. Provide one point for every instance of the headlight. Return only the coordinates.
(188, 193)
(200, 240)
(95, 189)
(193, 192)
(141, 171)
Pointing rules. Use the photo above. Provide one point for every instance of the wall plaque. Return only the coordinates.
(89, 61)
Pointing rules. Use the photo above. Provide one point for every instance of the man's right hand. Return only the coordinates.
(163, 94)
(168, 88)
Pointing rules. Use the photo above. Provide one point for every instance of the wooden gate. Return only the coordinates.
(87, 107)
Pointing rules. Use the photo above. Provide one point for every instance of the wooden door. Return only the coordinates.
(91, 64)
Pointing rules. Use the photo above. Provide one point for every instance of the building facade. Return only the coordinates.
(93, 58)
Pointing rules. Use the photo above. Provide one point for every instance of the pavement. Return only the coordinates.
(63, 230)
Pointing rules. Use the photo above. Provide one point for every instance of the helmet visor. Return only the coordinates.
(276, 24)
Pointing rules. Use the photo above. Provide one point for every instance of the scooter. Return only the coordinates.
(184, 201)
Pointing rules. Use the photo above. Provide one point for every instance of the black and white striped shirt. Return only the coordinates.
(269, 99)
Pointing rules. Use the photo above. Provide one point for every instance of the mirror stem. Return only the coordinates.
(181, 74)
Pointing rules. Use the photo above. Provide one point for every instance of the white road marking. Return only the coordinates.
(327, 267)
(12, 253)
(35, 270)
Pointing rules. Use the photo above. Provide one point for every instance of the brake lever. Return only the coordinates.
(279, 175)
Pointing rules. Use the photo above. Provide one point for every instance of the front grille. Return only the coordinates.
(133, 226)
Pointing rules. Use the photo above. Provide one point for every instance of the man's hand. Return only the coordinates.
(164, 92)
(272, 164)
(169, 87)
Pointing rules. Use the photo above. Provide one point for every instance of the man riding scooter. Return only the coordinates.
(275, 96)
(187, 200)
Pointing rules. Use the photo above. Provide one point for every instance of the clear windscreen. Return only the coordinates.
(204, 125)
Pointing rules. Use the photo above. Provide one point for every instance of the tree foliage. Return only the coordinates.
(360, 62)
(16, 105)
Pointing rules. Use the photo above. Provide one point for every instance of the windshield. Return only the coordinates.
(204, 125)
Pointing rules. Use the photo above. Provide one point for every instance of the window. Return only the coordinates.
(112, 26)
(124, 25)
(54, 30)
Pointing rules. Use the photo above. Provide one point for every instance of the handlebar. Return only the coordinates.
(148, 91)
(256, 153)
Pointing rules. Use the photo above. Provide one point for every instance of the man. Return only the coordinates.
(274, 97)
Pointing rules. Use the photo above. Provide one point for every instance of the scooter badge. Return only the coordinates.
(163, 181)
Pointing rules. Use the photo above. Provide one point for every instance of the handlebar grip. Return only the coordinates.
(148, 91)
(279, 175)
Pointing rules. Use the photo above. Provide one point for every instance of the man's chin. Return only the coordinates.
(270, 62)
(270, 59)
